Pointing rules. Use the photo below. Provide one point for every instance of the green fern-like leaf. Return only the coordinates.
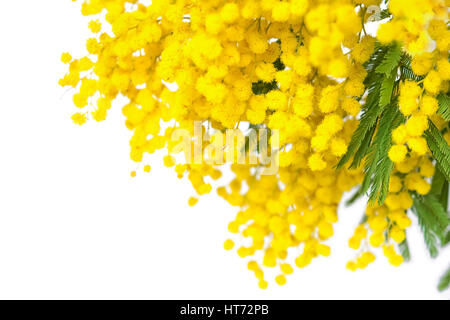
(378, 166)
(444, 106)
(444, 283)
(375, 60)
(355, 197)
(428, 227)
(440, 149)
(440, 189)
(384, 14)
(439, 215)
(387, 87)
(404, 250)
(364, 148)
(447, 239)
(437, 183)
(362, 137)
(431, 242)
(406, 71)
(443, 197)
(433, 220)
(391, 60)
(261, 87)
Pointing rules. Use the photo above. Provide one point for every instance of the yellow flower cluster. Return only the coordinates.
(384, 226)
(177, 62)
(416, 23)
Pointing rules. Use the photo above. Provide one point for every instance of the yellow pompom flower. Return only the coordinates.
(66, 57)
(230, 12)
(79, 118)
(376, 240)
(429, 106)
(281, 280)
(263, 284)
(95, 26)
(418, 145)
(316, 162)
(192, 201)
(398, 153)
(433, 82)
(422, 64)
(286, 268)
(265, 72)
(416, 125)
(400, 135)
(281, 11)
(228, 245)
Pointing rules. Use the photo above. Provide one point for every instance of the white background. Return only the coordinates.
(73, 224)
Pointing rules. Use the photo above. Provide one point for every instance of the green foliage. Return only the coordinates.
(378, 98)
(387, 87)
(391, 60)
(433, 220)
(444, 106)
(447, 239)
(440, 188)
(444, 283)
(438, 213)
(363, 135)
(371, 141)
(443, 197)
(375, 60)
(373, 137)
(384, 14)
(279, 65)
(440, 149)
(404, 250)
(262, 87)
(437, 183)
(430, 238)
(406, 71)
(355, 197)
(378, 167)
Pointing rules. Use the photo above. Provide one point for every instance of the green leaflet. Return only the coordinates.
(439, 214)
(444, 106)
(404, 250)
(406, 70)
(444, 283)
(440, 149)
(364, 219)
(363, 134)
(433, 220)
(378, 167)
(279, 65)
(440, 188)
(375, 60)
(364, 149)
(384, 14)
(391, 60)
(355, 197)
(426, 226)
(443, 197)
(261, 87)
(438, 183)
(447, 239)
(381, 80)
(431, 242)
(387, 87)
